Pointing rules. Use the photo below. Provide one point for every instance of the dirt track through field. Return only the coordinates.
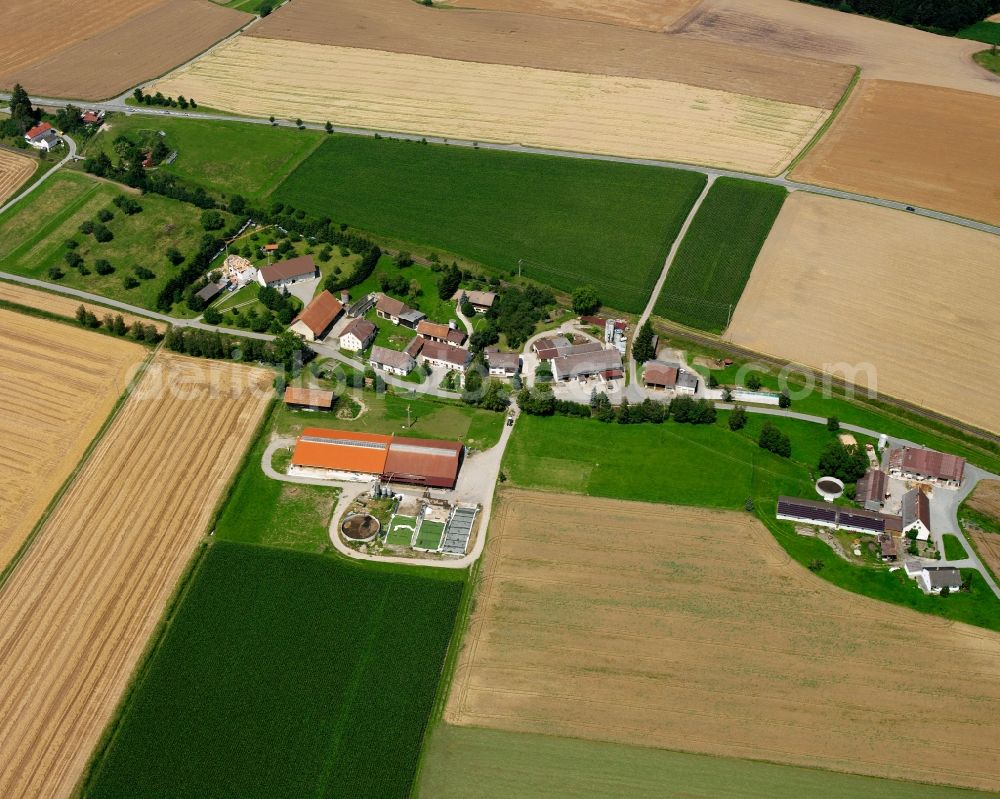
(456, 99)
(63, 305)
(15, 168)
(923, 145)
(128, 44)
(77, 612)
(841, 282)
(402, 26)
(653, 15)
(57, 387)
(689, 629)
(882, 50)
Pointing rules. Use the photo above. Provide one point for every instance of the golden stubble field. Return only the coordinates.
(78, 610)
(690, 629)
(500, 103)
(882, 50)
(99, 49)
(924, 145)
(57, 387)
(64, 305)
(653, 15)
(15, 168)
(847, 283)
(527, 40)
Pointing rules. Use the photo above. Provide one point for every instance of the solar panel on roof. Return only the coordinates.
(346, 442)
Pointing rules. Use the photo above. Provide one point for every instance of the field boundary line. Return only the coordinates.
(54, 222)
(834, 113)
(8, 570)
(142, 669)
(281, 175)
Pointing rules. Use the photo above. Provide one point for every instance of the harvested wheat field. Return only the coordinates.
(690, 629)
(125, 44)
(988, 546)
(490, 102)
(402, 26)
(57, 387)
(653, 15)
(882, 50)
(15, 168)
(932, 147)
(985, 499)
(77, 612)
(841, 285)
(64, 306)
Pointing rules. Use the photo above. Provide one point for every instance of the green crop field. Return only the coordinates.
(986, 32)
(230, 157)
(490, 764)
(953, 549)
(714, 261)
(572, 221)
(33, 235)
(711, 466)
(286, 674)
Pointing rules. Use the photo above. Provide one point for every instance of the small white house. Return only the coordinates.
(391, 361)
(285, 273)
(934, 579)
(916, 513)
(358, 335)
(43, 137)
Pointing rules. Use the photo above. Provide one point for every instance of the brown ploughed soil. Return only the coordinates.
(654, 15)
(988, 546)
(840, 285)
(15, 168)
(118, 56)
(64, 306)
(402, 26)
(57, 387)
(881, 49)
(689, 629)
(78, 610)
(921, 145)
(986, 498)
(636, 117)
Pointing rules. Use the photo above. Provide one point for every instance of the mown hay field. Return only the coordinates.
(61, 305)
(562, 221)
(689, 629)
(57, 389)
(494, 764)
(881, 297)
(77, 612)
(527, 40)
(98, 50)
(883, 50)
(285, 674)
(714, 261)
(588, 113)
(922, 145)
(15, 168)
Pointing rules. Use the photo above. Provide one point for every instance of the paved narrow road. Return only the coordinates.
(118, 104)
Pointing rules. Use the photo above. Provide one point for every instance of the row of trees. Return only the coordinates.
(286, 350)
(942, 15)
(116, 324)
(158, 99)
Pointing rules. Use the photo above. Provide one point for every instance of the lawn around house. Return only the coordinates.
(571, 221)
(283, 673)
(953, 549)
(714, 260)
(228, 157)
(33, 235)
(711, 466)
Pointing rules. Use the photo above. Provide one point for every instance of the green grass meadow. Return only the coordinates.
(33, 235)
(286, 674)
(230, 157)
(987, 60)
(711, 466)
(714, 260)
(572, 221)
(462, 762)
(986, 32)
(953, 549)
